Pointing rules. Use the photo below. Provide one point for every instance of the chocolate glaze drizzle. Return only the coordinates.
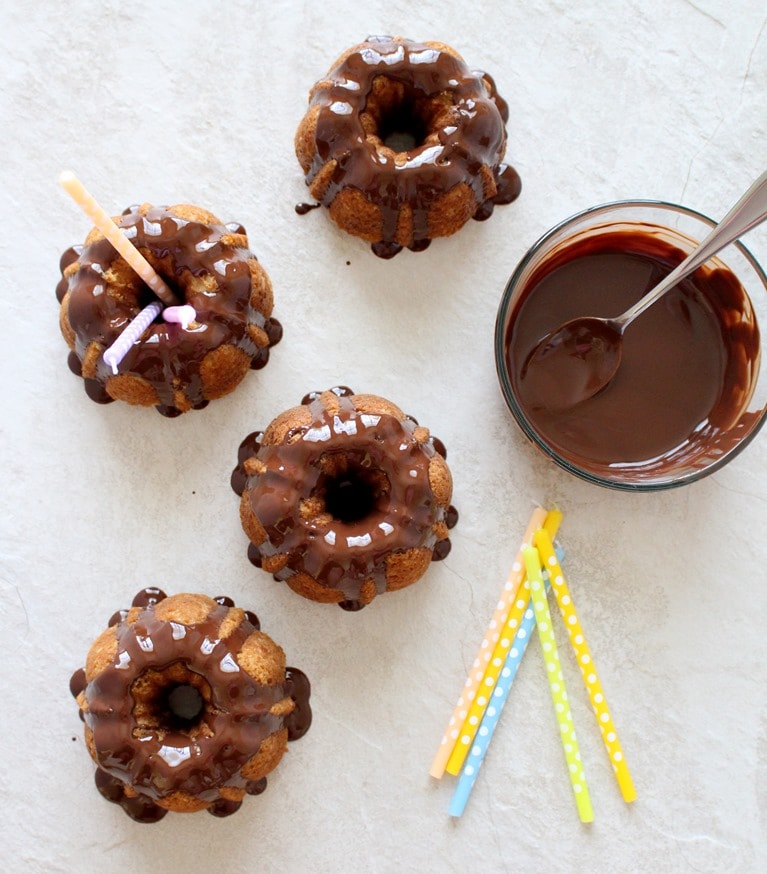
(200, 760)
(343, 553)
(186, 254)
(452, 147)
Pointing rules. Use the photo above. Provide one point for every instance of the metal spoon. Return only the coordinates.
(578, 359)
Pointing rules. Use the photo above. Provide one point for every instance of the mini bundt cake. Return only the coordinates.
(403, 143)
(175, 369)
(344, 497)
(187, 705)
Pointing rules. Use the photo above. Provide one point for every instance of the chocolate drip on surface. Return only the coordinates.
(139, 807)
(77, 683)
(451, 517)
(304, 208)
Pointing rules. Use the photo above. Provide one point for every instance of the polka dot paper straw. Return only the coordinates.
(511, 630)
(103, 221)
(493, 669)
(492, 635)
(492, 714)
(495, 707)
(557, 686)
(586, 665)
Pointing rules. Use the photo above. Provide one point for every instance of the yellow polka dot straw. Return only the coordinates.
(478, 706)
(491, 638)
(557, 686)
(103, 221)
(586, 664)
(511, 627)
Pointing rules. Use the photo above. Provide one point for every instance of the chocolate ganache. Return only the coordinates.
(190, 710)
(345, 498)
(689, 364)
(404, 143)
(209, 266)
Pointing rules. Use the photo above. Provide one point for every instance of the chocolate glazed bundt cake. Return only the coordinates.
(403, 143)
(344, 497)
(187, 705)
(209, 266)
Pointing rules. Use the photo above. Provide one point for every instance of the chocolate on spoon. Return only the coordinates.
(580, 358)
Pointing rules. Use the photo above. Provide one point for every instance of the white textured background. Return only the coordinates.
(198, 102)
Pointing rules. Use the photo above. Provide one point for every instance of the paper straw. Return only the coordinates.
(492, 714)
(492, 635)
(131, 334)
(511, 630)
(494, 709)
(468, 729)
(103, 221)
(183, 315)
(557, 686)
(587, 666)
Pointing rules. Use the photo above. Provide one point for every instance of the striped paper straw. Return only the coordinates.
(131, 334)
(587, 666)
(557, 686)
(492, 635)
(103, 221)
(474, 714)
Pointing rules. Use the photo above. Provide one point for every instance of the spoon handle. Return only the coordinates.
(746, 214)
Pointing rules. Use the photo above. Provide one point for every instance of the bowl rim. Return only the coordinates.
(499, 342)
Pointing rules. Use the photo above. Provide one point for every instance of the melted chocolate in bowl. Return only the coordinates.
(681, 399)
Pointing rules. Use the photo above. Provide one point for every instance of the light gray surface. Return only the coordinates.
(198, 102)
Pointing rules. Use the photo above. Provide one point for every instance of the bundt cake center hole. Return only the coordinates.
(147, 296)
(350, 487)
(184, 705)
(403, 124)
(349, 497)
(169, 699)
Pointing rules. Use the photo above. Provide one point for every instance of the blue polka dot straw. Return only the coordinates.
(492, 714)
(495, 706)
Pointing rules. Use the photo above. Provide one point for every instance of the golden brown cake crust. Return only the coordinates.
(412, 151)
(207, 265)
(187, 705)
(344, 497)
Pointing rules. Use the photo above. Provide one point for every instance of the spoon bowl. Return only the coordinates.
(573, 363)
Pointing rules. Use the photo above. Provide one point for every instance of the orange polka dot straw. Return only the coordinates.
(511, 627)
(586, 664)
(491, 638)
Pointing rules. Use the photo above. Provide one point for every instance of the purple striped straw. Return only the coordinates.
(131, 334)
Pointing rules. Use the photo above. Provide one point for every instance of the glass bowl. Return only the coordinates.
(691, 392)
